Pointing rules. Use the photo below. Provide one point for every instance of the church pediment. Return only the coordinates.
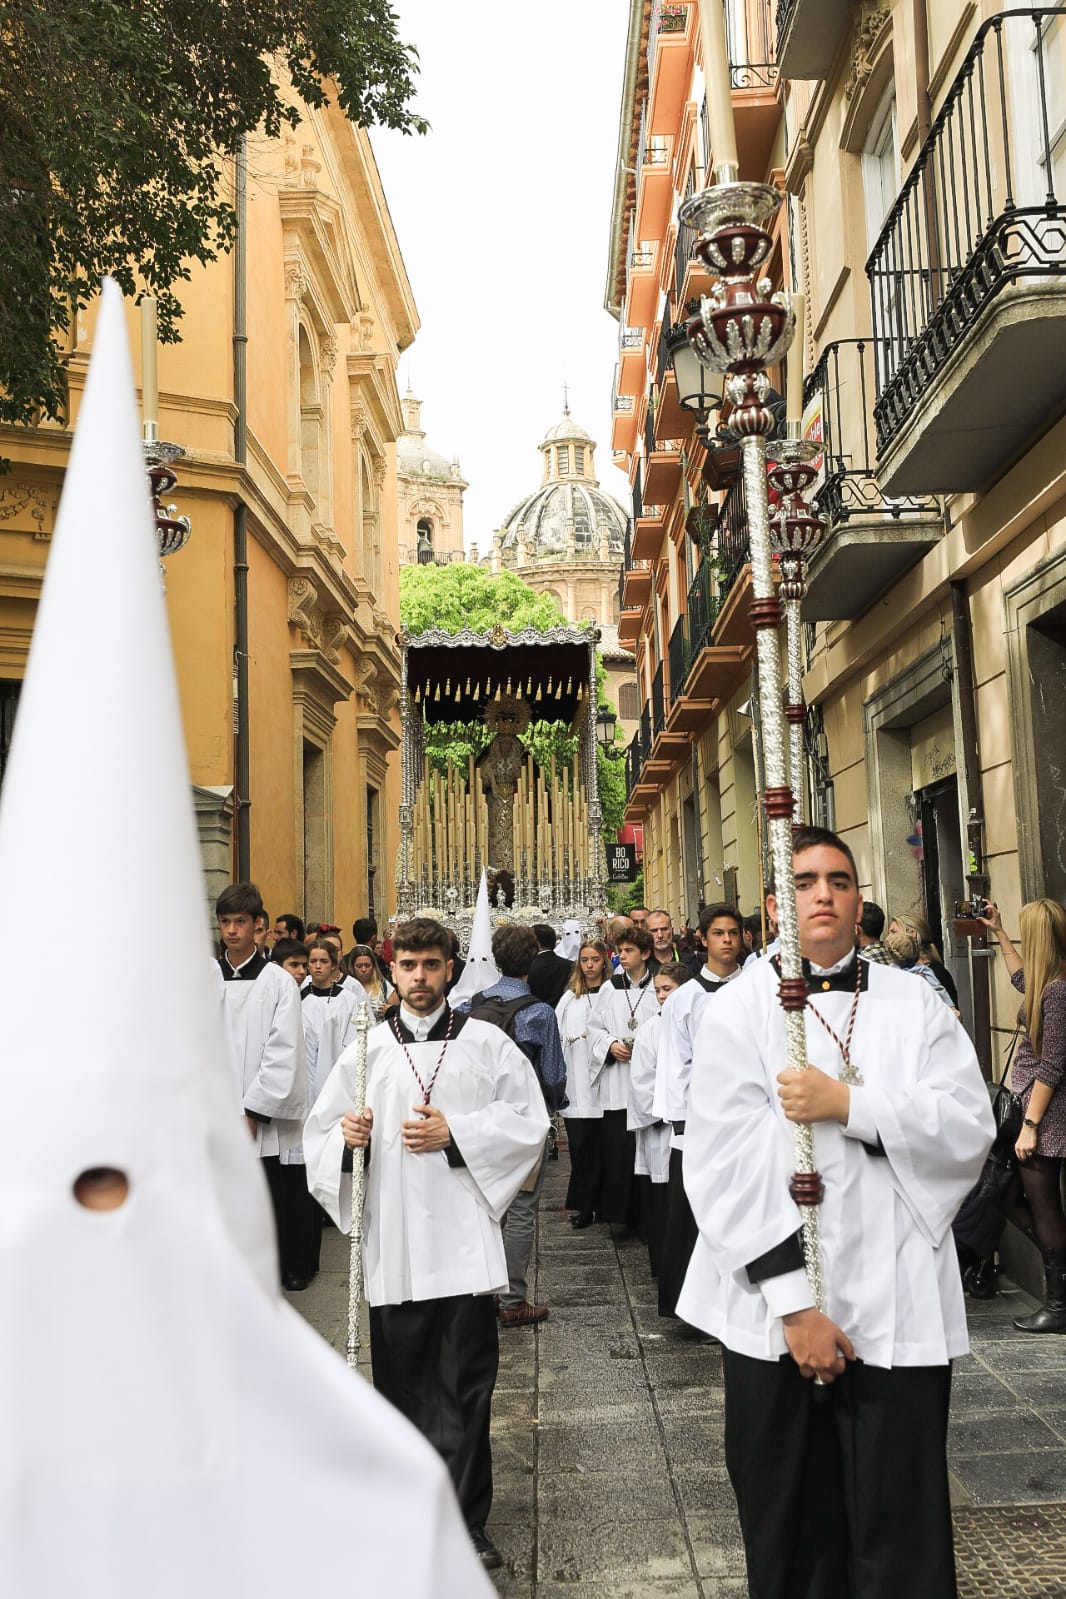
(314, 234)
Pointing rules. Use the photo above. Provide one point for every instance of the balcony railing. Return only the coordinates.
(634, 762)
(702, 607)
(752, 45)
(630, 339)
(666, 18)
(845, 377)
(658, 700)
(638, 495)
(983, 207)
(679, 659)
(645, 730)
(733, 552)
(650, 152)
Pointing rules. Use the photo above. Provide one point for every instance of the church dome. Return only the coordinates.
(414, 457)
(569, 513)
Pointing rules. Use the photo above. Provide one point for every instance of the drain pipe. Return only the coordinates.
(240, 521)
(977, 880)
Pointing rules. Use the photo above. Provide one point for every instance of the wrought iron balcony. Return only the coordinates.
(752, 46)
(679, 658)
(658, 700)
(645, 730)
(732, 552)
(702, 606)
(873, 537)
(634, 763)
(968, 276)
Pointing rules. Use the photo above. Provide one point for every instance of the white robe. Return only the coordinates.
(892, 1278)
(652, 1133)
(266, 1034)
(617, 1013)
(431, 1229)
(325, 1020)
(681, 1012)
(572, 1014)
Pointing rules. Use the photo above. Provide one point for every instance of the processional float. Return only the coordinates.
(741, 328)
(534, 827)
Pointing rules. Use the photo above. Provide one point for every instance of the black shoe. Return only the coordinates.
(295, 1285)
(582, 1219)
(1051, 1317)
(485, 1549)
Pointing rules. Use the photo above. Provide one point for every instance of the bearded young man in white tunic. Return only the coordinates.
(843, 1488)
(454, 1123)
(722, 932)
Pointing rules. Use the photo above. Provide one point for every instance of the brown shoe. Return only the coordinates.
(522, 1315)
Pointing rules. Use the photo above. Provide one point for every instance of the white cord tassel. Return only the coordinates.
(355, 1275)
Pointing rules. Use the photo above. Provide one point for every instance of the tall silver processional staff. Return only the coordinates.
(355, 1270)
(740, 329)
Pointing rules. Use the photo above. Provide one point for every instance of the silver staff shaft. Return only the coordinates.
(355, 1274)
(779, 827)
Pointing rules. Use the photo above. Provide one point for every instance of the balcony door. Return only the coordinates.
(1037, 67)
(880, 166)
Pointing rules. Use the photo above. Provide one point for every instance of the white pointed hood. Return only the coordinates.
(170, 1424)
(481, 970)
(569, 945)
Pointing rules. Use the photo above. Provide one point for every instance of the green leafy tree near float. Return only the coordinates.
(464, 596)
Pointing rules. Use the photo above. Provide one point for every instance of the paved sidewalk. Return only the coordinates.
(608, 1437)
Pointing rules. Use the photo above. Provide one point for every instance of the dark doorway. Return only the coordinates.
(943, 880)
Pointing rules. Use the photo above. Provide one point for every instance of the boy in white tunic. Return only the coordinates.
(842, 1489)
(262, 1005)
(721, 931)
(455, 1121)
(621, 1006)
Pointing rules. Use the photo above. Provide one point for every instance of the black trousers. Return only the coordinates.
(297, 1218)
(844, 1495)
(436, 1361)
(679, 1240)
(655, 1200)
(618, 1199)
(584, 1135)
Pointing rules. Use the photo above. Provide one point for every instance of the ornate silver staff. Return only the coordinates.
(740, 329)
(355, 1272)
(795, 533)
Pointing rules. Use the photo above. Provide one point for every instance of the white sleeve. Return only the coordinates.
(601, 1031)
(502, 1142)
(935, 1132)
(673, 1066)
(279, 1088)
(646, 1044)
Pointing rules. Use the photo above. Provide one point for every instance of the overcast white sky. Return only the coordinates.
(503, 215)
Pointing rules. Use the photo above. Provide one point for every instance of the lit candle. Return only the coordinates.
(149, 371)
(794, 397)
(716, 77)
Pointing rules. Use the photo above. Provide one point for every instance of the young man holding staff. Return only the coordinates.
(454, 1123)
(841, 1484)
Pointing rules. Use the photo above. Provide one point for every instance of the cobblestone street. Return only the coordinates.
(608, 1437)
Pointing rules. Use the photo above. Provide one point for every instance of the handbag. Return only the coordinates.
(1007, 1107)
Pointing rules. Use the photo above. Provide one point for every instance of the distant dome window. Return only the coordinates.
(425, 541)
(579, 457)
(564, 457)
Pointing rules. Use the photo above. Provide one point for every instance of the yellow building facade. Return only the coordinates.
(284, 603)
(921, 154)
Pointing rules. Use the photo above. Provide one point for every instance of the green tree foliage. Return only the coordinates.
(459, 596)
(117, 124)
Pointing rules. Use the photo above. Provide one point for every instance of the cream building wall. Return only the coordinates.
(430, 495)
(328, 308)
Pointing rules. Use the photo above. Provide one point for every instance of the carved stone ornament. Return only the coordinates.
(366, 331)
(329, 353)
(359, 421)
(366, 680)
(870, 23)
(323, 630)
(378, 468)
(18, 499)
(295, 281)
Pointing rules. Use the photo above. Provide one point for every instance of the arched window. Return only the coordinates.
(424, 533)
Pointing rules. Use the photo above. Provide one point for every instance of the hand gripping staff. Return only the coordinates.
(355, 1274)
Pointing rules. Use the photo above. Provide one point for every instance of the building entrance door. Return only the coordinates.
(943, 881)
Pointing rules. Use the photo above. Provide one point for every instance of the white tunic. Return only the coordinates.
(681, 1012)
(267, 1037)
(652, 1133)
(618, 1011)
(432, 1229)
(572, 1014)
(891, 1272)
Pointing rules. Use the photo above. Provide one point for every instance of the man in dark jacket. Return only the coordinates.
(549, 973)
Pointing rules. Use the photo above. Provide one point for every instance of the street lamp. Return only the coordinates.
(695, 389)
(606, 721)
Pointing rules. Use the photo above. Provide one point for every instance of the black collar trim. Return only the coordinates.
(248, 972)
(620, 980)
(842, 982)
(439, 1028)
